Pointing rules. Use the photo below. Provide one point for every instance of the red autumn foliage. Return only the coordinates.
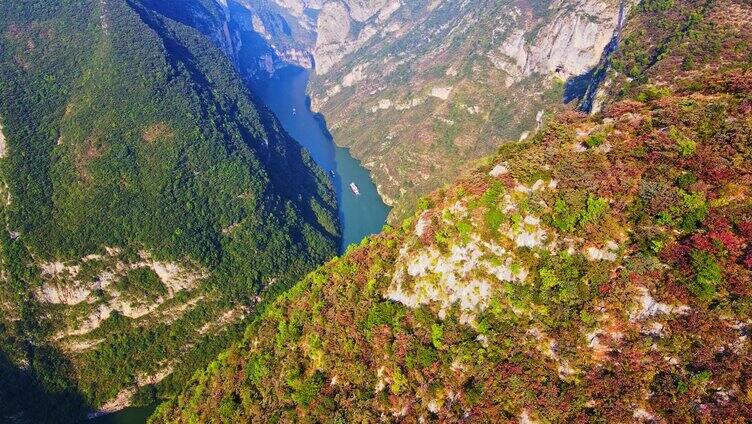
(745, 229)
(476, 185)
(676, 254)
(676, 290)
(401, 345)
(733, 81)
(703, 242)
(747, 261)
(571, 117)
(429, 231)
(623, 107)
(359, 257)
(730, 241)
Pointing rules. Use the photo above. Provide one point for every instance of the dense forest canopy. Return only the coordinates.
(127, 131)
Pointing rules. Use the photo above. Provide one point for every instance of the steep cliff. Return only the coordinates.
(599, 271)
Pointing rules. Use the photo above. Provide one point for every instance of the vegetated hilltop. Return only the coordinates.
(600, 271)
(147, 199)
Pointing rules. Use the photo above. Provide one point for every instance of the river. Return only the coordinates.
(360, 215)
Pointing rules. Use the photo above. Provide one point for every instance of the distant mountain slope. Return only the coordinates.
(439, 84)
(600, 271)
(145, 191)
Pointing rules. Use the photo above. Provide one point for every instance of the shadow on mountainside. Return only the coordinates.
(40, 393)
(584, 88)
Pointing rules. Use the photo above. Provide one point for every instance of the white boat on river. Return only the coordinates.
(354, 189)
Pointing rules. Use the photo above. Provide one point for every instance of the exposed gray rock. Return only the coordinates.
(333, 29)
(570, 43)
(2, 142)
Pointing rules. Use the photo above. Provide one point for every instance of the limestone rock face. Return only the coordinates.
(570, 43)
(2, 142)
(328, 27)
(362, 10)
(512, 57)
(565, 37)
(574, 40)
(335, 32)
(333, 29)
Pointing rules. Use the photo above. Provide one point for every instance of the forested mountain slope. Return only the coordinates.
(600, 271)
(147, 200)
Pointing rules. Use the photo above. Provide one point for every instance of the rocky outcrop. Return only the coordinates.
(64, 285)
(336, 37)
(3, 149)
(569, 44)
(333, 29)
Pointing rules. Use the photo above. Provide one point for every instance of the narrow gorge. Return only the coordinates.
(414, 89)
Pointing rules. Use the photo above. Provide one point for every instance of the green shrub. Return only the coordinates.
(437, 335)
(595, 140)
(493, 193)
(707, 275)
(693, 211)
(567, 217)
(465, 229)
(686, 146)
(494, 218)
(564, 219)
(595, 208)
(399, 381)
(651, 92)
(548, 278)
(307, 389)
(656, 5)
(383, 313)
(144, 396)
(257, 368)
(141, 282)
(685, 180)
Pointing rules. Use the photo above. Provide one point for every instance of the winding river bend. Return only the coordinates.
(360, 215)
